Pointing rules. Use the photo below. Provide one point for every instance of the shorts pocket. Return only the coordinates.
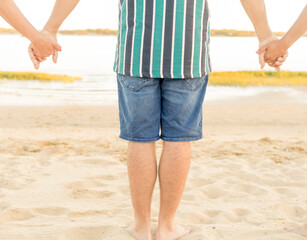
(195, 83)
(134, 83)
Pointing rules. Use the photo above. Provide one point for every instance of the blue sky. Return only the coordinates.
(103, 14)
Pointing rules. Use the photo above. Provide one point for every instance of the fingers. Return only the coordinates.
(40, 59)
(57, 46)
(281, 59)
(277, 69)
(261, 60)
(262, 49)
(33, 57)
(55, 56)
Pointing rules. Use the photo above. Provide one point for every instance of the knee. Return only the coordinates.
(141, 144)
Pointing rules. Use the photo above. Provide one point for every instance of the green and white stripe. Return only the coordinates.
(163, 38)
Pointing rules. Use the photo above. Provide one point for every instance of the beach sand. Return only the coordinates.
(63, 173)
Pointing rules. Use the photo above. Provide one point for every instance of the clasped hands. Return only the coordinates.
(273, 52)
(44, 46)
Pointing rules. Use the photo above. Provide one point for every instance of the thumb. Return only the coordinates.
(262, 49)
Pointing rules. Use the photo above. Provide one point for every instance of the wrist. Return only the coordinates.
(51, 30)
(36, 37)
(286, 42)
(265, 37)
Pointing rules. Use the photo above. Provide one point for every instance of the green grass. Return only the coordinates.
(258, 78)
(37, 76)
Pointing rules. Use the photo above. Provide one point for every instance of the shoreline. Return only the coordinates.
(44, 97)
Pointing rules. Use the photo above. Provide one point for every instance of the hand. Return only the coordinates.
(273, 52)
(33, 52)
(262, 60)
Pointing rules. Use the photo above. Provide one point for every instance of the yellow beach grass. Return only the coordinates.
(258, 78)
(240, 78)
(37, 76)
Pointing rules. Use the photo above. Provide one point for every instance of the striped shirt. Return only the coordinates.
(163, 38)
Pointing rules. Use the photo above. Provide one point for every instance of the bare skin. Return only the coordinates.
(44, 47)
(277, 48)
(256, 11)
(300, 230)
(142, 171)
(173, 171)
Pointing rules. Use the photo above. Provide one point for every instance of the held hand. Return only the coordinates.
(274, 52)
(262, 58)
(35, 58)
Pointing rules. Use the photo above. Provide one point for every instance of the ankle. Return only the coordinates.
(141, 224)
(167, 224)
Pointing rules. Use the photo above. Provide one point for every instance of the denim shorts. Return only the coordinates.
(160, 108)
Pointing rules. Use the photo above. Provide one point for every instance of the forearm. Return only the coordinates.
(61, 10)
(256, 11)
(297, 30)
(10, 13)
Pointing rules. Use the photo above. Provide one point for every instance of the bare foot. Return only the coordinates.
(139, 233)
(176, 232)
(300, 230)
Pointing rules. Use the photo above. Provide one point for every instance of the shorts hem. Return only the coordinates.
(183, 139)
(144, 140)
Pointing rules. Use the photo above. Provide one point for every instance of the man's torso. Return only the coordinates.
(163, 38)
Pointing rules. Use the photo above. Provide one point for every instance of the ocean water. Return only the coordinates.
(92, 58)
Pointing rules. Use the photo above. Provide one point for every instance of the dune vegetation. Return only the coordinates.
(258, 78)
(240, 78)
(37, 76)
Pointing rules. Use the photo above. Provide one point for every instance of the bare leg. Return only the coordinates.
(300, 230)
(173, 171)
(142, 171)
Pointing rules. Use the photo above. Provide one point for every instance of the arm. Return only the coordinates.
(277, 48)
(256, 11)
(61, 10)
(297, 30)
(10, 12)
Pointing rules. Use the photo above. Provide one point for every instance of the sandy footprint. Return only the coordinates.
(51, 211)
(4, 205)
(241, 212)
(17, 214)
(15, 184)
(88, 193)
(250, 189)
(198, 233)
(84, 184)
(214, 192)
(105, 177)
(96, 233)
(123, 189)
(88, 213)
(195, 218)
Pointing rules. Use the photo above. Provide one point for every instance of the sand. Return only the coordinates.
(63, 173)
